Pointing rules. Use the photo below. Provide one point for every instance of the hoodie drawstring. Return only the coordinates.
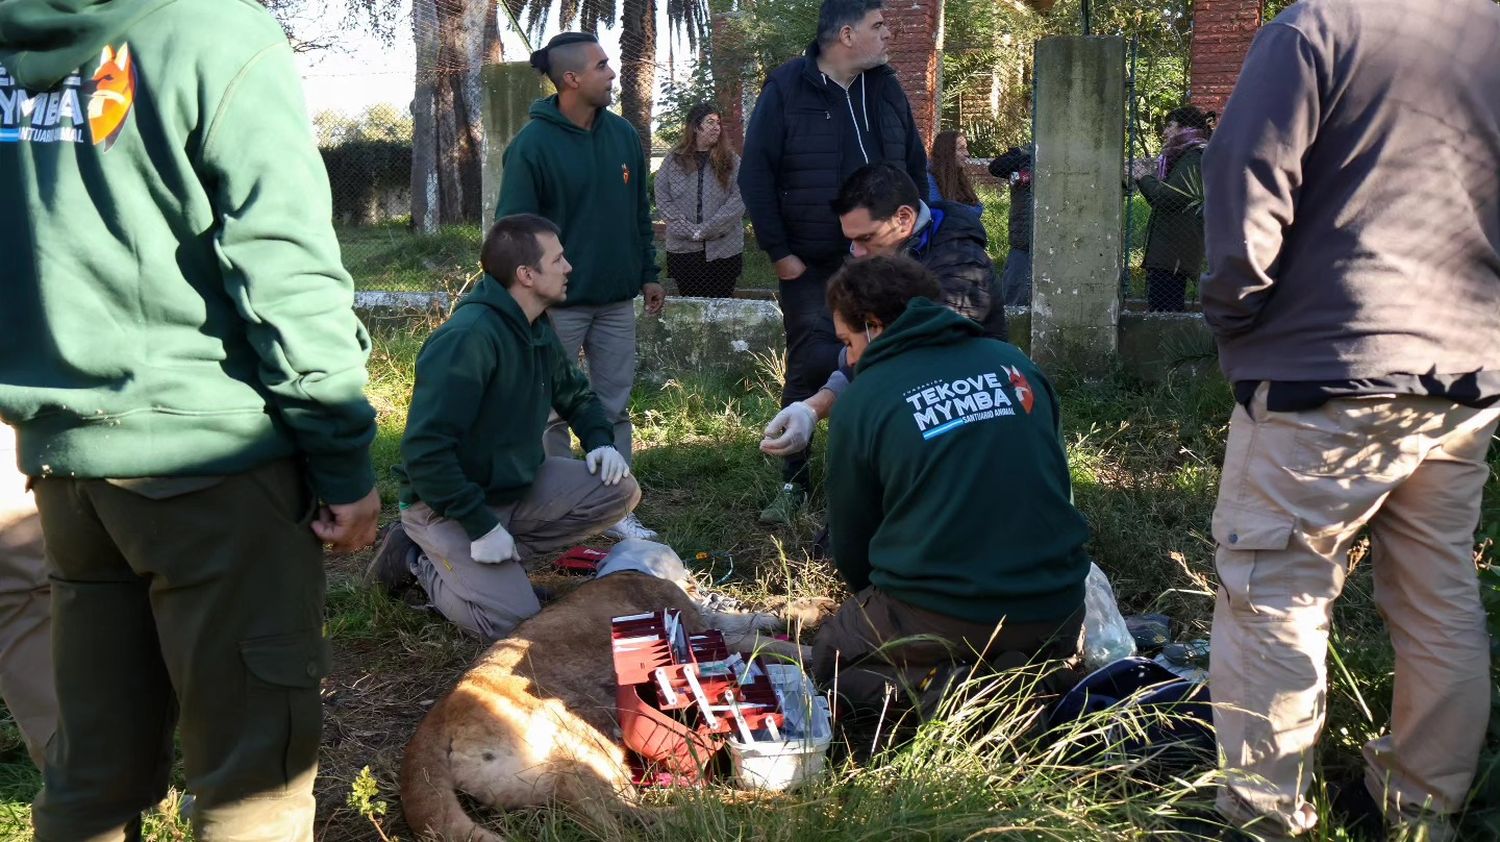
(862, 106)
(849, 100)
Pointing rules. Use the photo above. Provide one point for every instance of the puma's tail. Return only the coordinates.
(429, 791)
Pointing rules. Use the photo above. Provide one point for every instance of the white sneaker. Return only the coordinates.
(630, 526)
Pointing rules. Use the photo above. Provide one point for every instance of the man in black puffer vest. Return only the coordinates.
(819, 118)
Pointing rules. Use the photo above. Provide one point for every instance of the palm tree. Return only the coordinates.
(456, 38)
(638, 66)
(689, 18)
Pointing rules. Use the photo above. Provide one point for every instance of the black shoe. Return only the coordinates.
(822, 548)
(390, 569)
(1357, 810)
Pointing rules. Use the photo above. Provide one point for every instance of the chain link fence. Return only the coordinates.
(722, 58)
(372, 152)
(1165, 137)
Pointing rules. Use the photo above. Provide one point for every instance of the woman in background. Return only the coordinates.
(1174, 189)
(699, 198)
(946, 178)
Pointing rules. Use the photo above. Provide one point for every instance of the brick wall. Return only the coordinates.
(1222, 32)
(914, 55)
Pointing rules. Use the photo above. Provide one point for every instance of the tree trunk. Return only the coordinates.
(425, 198)
(460, 118)
(448, 131)
(494, 50)
(638, 66)
(724, 50)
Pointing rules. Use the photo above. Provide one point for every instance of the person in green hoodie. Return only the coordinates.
(949, 504)
(182, 364)
(582, 167)
(478, 494)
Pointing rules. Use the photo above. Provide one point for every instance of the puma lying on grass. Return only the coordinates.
(533, 722)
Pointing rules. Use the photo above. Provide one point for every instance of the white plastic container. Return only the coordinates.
(779, 765)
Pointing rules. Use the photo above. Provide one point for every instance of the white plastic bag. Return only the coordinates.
(1106, 638)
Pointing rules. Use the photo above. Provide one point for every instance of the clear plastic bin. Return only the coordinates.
(800, 753)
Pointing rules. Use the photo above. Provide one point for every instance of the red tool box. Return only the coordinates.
(681, 695)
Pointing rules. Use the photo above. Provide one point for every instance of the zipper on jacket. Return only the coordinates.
(848, 100)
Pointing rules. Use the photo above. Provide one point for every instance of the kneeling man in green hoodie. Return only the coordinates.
(478, 495)
(949, 505)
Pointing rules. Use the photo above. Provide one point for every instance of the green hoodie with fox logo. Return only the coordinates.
(947, 483)
(592, 184)
(172, 302)
(486, 381)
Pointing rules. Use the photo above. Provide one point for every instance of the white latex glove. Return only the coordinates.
(494, 547)
(607, 463)
(790, 431)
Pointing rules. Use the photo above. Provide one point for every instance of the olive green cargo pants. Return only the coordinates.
(186, 604)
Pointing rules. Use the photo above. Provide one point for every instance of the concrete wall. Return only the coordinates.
(1152, 344)
(727, 336)
(510, 89)
(1077, 176)
(734, 336)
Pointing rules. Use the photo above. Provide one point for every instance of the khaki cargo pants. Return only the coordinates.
(1297, 489)
(186, 604)
(564, 505)
(25, 609)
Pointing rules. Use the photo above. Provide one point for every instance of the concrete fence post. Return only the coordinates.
(509, 90)
(1079, 132)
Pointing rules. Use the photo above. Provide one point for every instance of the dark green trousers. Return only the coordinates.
(191, 604)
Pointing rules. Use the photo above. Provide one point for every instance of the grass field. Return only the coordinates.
(1145, 463)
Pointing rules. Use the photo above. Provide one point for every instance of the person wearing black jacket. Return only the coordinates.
(1014, 168)
(820, 117)
(883, 215)
(1173, 186)
(881, 211)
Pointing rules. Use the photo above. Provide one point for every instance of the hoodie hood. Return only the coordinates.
(960, 222)
(923, 323)
(42, 42)
(945, 222)
(489, 293)
(547, 111)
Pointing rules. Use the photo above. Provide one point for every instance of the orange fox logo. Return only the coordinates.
(1022, 387)
(112, 93)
